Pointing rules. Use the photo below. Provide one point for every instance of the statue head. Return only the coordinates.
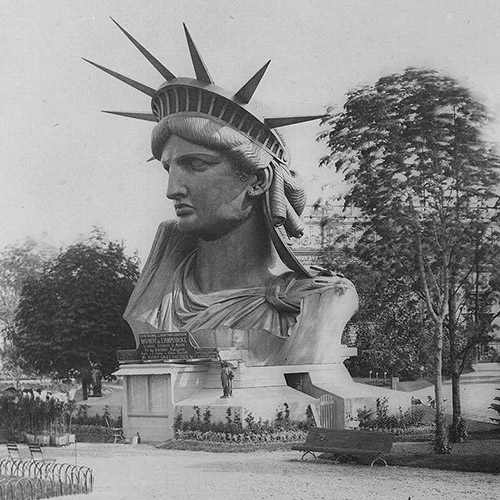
(202, 113)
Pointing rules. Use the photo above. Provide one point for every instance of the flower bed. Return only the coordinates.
(282, 429)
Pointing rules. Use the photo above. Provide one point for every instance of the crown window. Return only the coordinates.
(194, 100)
(228, 113)
(217, 107)
(182, 94)
(206, 100)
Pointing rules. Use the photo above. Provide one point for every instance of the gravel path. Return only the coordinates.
(144, 472)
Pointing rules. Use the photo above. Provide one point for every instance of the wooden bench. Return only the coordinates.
(347, 443)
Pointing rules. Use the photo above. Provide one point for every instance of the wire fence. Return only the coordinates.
(32, 479)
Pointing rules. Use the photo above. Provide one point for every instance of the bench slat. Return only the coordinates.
(351, 442)
(337, 451)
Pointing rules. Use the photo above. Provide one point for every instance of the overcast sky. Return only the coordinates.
(66, 167)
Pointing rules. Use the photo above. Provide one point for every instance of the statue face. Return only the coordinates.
(209, 197)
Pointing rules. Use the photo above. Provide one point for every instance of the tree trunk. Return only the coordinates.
(455, 391)
(440, 439)
(458, 432)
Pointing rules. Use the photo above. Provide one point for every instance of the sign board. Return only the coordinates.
(173, 347)
(158, 346)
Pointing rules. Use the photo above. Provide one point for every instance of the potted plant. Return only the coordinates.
(68, 414)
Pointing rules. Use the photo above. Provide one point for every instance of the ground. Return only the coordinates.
(126, 472)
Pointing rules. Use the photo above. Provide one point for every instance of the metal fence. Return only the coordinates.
(31, 479)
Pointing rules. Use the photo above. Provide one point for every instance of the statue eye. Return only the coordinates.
(197, 164)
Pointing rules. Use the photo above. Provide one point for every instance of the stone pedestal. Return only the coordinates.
(305, 369)
(156, 392)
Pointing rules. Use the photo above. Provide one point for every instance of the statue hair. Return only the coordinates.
(246, 155)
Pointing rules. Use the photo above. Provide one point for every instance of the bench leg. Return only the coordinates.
(379, 457)
(310, 452)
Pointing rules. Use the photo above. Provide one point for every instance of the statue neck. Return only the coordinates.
(242, 258)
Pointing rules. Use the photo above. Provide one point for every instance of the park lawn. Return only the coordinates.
(476, 455)
(461, 463)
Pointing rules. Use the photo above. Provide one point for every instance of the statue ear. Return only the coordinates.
(261, 183)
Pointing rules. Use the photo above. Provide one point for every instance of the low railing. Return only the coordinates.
(32, 479)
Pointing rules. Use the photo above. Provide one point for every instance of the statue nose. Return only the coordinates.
(176, 187)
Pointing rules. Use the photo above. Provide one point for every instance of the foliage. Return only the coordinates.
(391, 328)
(381, 420)
(90, 429)
(23, 413)
(423, 178)
(17, 265)
(72, 311)
(365, 416)
(281, 429)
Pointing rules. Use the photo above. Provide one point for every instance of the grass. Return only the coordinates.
(405, 386)
(481, 452)
(459, 463)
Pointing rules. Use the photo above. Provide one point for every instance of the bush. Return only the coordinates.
(81, 417)
(23, 413)
(26, 414)
(90, 429)
(281, 429)
(403, 422)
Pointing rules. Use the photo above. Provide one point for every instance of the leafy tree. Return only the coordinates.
(391, 327)
(72, 313)
(423, 176)
(17, 264)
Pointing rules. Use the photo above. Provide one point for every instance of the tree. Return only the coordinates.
(391, 327)
(423, 176)
(17, 264)
(71, 314)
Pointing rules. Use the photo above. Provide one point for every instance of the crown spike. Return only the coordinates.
(246, 92)
(200, 69)
(131, 114)
(139, 86)
(152, 59)
(291, 120)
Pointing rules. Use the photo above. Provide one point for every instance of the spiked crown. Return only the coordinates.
(201, 97)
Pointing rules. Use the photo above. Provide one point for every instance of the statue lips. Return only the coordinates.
(183, 209)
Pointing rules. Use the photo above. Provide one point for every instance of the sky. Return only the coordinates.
(66, 167)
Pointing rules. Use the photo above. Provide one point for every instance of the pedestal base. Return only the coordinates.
(156, 393)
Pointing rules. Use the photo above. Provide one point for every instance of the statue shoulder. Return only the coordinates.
(287, 291)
